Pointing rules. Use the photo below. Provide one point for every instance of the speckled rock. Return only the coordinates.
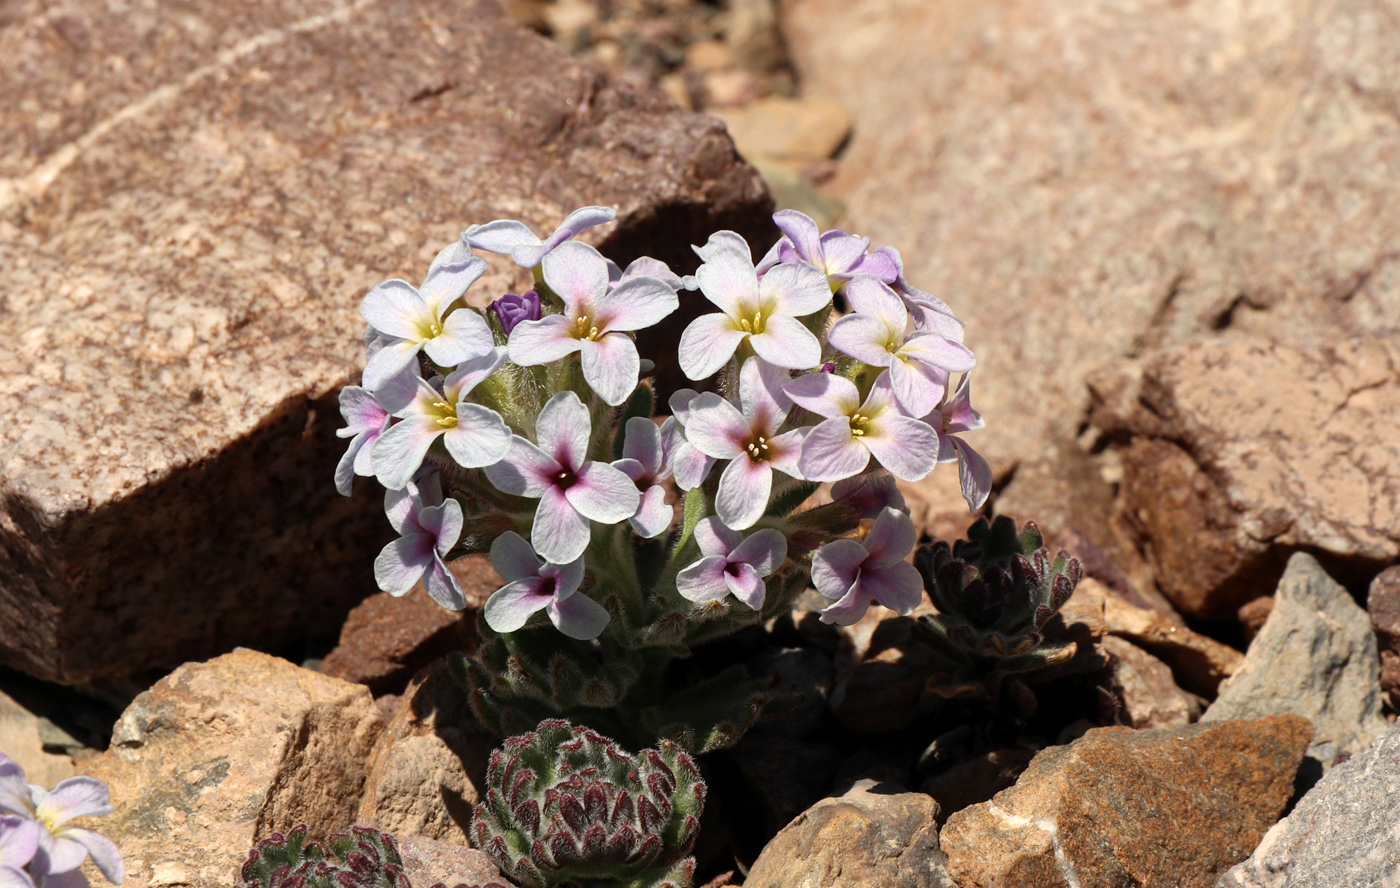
(194, 197)
(1122, 807)
(1086, 181)
(1226, 472)
(1198, 662)
(221, 754)
(430, 862)
(1383, 604)
(1151, 697)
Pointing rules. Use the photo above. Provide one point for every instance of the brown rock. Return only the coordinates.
(1199, 663)
(874, 834)
(425, 773)
(793, 130)
(219, 755)
(386, 640)
(885, 691)
(21, 738)
(193, 201)
(1253, 615)
(1383, 604)
(1118, 807)
(1231, 472)
(430, 862)
(975, 781)
(1151, 698)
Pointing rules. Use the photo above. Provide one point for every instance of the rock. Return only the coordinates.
(1315, 657)
(1089, 181)
(779, 777)
(386, 640)
(874, 834)
(22, 739)
(1123, 807)
(1199, 663)
(425, 773)
(1151, 698)
(1227, 473)
(1253, 615)
(751, 33)
(976, 781)
(1343, 832)
(193, 201)
(885, 691)
(219, 755)
(429, 862)
(1383, 604)
(794, 130)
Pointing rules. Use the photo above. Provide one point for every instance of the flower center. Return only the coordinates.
(584, 328)
(446, 414)
(758, 449)
(755, 325)
(858, 423)
(565, 479)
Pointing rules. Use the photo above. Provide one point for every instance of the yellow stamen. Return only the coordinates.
(745, 324)
(449, 422)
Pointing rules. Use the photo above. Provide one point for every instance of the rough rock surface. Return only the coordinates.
(428, 862)
(1118, 807)
(385, 640)
(1199, 662)
(21, 738)
(1151, 697)
(1090, 180)
(874, 834)
(1315, 657)
(425, 773)
(1383, 604)
(1227, 472)
(1345, 831)
(194, 197)
(218, 755)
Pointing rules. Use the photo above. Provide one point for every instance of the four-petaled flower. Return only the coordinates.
(731, 564)
(646, 461)
(520, 243)
(474, 435)
(838, 255)
(59, 847)
(534, 585)
(855, 430)
(878, 333)
(411, 319)
(749, 439)
(595, 322)
(763, 312)
(955, 415)
(429, 527)
(571, 488)
(855, 573)
(365, 420)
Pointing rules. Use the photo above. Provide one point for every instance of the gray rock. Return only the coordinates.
(875, 834)
(429, 862)
(1346, 831)
(1315, 657)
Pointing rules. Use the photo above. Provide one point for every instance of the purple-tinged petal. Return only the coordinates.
(392, 359)
(19, 839)
(465, 334)
(645, 266)
(824, 394)
(103, 852)
(786, 343)
(530, 256)
(363, 450)
(773, 256)
(743, 492)
(930, 348)
(399, 452)
(562, 430)
(795, 289)
(631, 468)
(958, 414)
(447, 283)
(560, 534)
(917, 387)
(577, 273)
(361, 411)
(849, 608)
(345, 468)
(728, 280)
(785, 452)
(723, 240)
(836, 567)
(947, 452)
(764, 401)
(707, 343)
(513, 558)
(397, 309)
(470, 373)
(567, 577)
(452, 254)
(870, 298)
(579, 617)
(830, 452)
(689, 466)
(891, 538)
(481, 438)
(401, 507)
(653, 516)
(745, 584)
(525, 471)
(636, 303)
(70, 879)
(603, 494)
(397, 393)
(14, 792)
(714, 538)
(443, 587)
(444, 522)
(611, 366)
(542, 342)
(679, 402)
(401, 563)
(842, 252)
(716, 427)
(907, 447)
(511, 606)
(57, 854)
(74, 797)
(641, 441)
(14, 877)
(764, 549)
(584, 218)
(876, 264)
(864, 338)
(500, 236)
(802, 232)
(703, 581)
(869, 494)
(974, 474)
(513, 308)
(897, 586)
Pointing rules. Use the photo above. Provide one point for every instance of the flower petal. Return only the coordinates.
(401, 563)
(898, 586)
(907, 447)
(562, 430)
(830, 452)
(794, 289)
(871, 298)
(448, 282)
(653, 516)
(481, 438)
(103, 852)
(443, 587)
(611, 366)
(947, 354)
(579, 617)
(397, 309)
(917, 387)
(500, 236)
(603, 494)
(464, 335)
(745, 584)
(716, 427)
(707, 343)
(824, 394)
(641, 441)
(842, 251)
(394, 357)
(785, 343)
(361, 411)
(74, 797)
(636, 303)
(577, 273)
(567, 577)
(19, 839)
(525, 471)
(863, 337)
(836, 567)
(399, 452)
(802, 231)
(471, 372)
(703, 581)
(721, 240)
(542, 342)
(513, 558)
(560, 534)
(714, 538)
(444, 522)
(785, 452)
(975, 475)
(71, 879)
(743, 492)
(849, 608)
(584, 218)
(891, 538)
(345, 468)
(511, 606)
(764, 549)
(14, 877)
(958, 411)
(727, 278)
(56, 854)
(689, 466)
(762, 397)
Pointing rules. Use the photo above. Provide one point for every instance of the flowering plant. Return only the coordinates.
(527, 430)
(39, 845)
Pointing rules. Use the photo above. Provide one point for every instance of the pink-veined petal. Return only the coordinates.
(720, 240)
(871, 298)
(481, 438)
(560, 534)
(703, 581)
(511, 606)
(947, 453)
(567, 577)
(631, 468)
(785, 452)
(728, 280)
(393, 358)
(869, 494)
(714, 538)
(764, 549)
(563, 429)
(399, 452)
(401, 563)
(716, 427)
(907, 447)
(785, 343)
(802, 232)
(653, 516)
(579, 617)
(836, 566)
(397, 309)
(447, 283)
(689, 466)
(464, 335)
(361, 410)
(364, 456)
(743, 492)
(898, 586)
(603, 494)
(611, 366)
(830, 452)
(794, 289)
(641, 441)
(443, 587)
(824, 394)
(745, 584)
(577, 273)
(513, 558)
(500, 236)
(444, 522)
(525, 471)
(707, 343)
(891, 538)
(636, 303)
(876, 264)
(974, 474)
(762, 396)
(542, 342)
(863, 337)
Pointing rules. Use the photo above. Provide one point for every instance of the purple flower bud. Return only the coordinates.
(829, 367)
(512, 309)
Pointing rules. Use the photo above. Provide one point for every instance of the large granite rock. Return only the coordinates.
(1343, 832)
(1122, 807)
(1087, 181)
(1315, 657)
(1227, 472)
(194, 197)
(218, 755)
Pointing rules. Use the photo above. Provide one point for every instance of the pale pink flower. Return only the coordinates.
(646, 461)
(60, 848)
(595, 321)
(514, 239)
(855, 430)
(748, 437)
(856, 573)
(571, 488)
(923, 306)
(731, 564)
(365, 420)
(19, 841)
(533, 585)
(954, 416)
(689, 466)
(837, 254)
(429, 527)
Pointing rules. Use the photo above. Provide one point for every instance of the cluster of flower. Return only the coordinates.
(520, 402)
(39, 848)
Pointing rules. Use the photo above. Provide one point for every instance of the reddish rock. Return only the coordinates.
(1383, 604)
(386, 640)
(1253, 615)
(430, 862)
(1122, 807)
(194, 197)
(1199, 663)
(1151, 697)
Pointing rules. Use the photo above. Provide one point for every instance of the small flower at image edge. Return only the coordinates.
(856, 573)
(61, 848)
(731, 564)
(534, 585)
